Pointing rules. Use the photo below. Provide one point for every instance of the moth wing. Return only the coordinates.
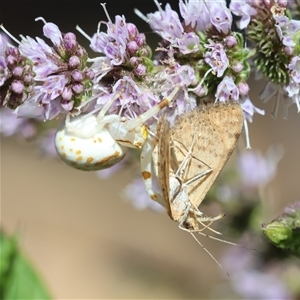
(161, 158)
(214, 129)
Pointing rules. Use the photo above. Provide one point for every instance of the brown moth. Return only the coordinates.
(189, 156)
(216, 129)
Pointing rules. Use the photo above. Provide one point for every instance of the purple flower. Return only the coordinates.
(294, 68)
(243, 10)
(194, 14)
(249, 109)
(288, 95)
(52, 32)
(135, 193)
(227, 90)
(30, 109)
(101, 66)
(216, 58)
(220, 16)
(166, 23)
(286, 29)
(200, 16)
(11, 124)
(188, 43)
(256, 285)
(184, 75)
(293, 88)
(45, 143)
(292, 209)
(244, 256)
(248, 277)
(257, 170)
(38, 51)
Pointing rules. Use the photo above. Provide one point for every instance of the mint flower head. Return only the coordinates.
(284, 231)
(275, 36)
(16, 76)
(122, 44)
(61, 69)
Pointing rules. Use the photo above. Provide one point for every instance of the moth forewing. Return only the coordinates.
(217, 127)
(162, 150)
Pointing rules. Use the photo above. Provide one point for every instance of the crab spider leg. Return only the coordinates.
(146, 164)
(148, 146)
(132, 124)
(107, 106)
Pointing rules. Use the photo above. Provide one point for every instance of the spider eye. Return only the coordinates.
(81, 147)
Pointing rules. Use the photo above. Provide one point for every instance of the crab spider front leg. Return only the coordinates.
(131, 132)
(146, 164)
(141, 119)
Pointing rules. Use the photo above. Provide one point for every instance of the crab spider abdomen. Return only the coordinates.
(81, 145)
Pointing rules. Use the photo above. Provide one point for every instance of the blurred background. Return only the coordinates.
(85, 240)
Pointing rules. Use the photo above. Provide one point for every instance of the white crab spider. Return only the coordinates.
(90, 142)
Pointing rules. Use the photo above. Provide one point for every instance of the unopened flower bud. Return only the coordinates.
(70, 42)
(28, 79)
(11, 60)
(132, 47)
(67, 105)
(77, 75)
(134, 61)
(67, 94)
(230, 41)
(81, 52)
(132, 30)
(77, 88)
(144, 51)
(89, 74)
(17, 72)
(288, 50)
(74, 62)
(141, 70)
(283, 3)
(17, 86)
(141, 40)
(243, 88)
(237, 67)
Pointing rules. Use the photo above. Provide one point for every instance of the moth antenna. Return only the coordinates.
(215, 260)
(223, 241)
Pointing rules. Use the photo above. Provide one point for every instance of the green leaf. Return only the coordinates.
(18, 279)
